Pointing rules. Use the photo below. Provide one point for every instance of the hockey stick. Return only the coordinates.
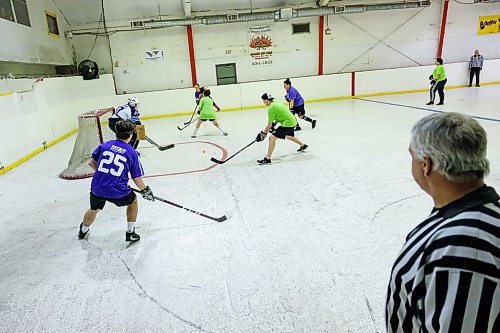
(230, 157)
(181, 128)
(218, 219)
(161, 147)
(192, 115)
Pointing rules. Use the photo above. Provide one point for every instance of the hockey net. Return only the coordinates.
(93, 130)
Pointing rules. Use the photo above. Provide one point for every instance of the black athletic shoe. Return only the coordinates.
(265, 160)
(313, 123)
(81, 234)
(132, 236)
(304, 147)
(430, 103)
(477, 85)
(470, 85)
(297, 128)
(440, 103)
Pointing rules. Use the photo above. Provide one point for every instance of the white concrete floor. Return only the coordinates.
(309, 248)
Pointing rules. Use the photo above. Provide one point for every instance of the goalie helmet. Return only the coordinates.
(133, 102)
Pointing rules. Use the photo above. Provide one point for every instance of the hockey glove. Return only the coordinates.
(198, 112)
(432, 82)
(431, 77)
(197, 101)
(147, 194)
(261, 136)
(287, 99)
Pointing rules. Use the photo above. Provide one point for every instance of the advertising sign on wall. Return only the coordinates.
(155, 56)
(260, 45)
(488, 25)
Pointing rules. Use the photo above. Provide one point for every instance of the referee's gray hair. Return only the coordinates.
(456, 144)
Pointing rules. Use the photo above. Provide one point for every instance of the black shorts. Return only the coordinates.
(99, 202)
(299, 110)
(282, 132)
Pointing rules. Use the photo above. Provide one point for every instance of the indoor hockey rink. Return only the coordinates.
(309, 246)
(310, 240)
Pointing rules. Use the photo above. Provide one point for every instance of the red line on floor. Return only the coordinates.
(224, 156)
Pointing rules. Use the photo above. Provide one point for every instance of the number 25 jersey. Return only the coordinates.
(115, 160)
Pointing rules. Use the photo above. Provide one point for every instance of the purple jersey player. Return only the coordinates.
(113, 161)
(296, 103)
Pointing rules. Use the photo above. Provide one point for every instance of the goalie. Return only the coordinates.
(130, 112)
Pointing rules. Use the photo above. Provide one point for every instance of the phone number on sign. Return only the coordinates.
(263, 62)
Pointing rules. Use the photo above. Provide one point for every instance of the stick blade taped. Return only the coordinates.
(213, 159)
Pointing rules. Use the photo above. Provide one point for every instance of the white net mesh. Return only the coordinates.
(93, 130)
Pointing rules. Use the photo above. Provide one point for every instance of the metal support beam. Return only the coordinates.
(443, 28)
(192, 60)
(320, 47)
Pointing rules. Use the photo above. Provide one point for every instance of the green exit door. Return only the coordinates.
(226, 73)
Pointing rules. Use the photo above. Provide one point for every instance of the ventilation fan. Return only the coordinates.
(88, 69)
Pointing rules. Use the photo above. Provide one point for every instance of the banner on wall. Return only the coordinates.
(155, 56)
(488, 25)
(260, 45)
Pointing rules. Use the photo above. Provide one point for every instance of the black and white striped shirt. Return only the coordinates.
(476, 61)
(447, 276)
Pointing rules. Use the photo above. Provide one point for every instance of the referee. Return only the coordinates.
(446, 277)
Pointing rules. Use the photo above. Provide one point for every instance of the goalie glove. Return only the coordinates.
(147, 194)
(261, 136)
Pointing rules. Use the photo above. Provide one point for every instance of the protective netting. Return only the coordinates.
(93, 130)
